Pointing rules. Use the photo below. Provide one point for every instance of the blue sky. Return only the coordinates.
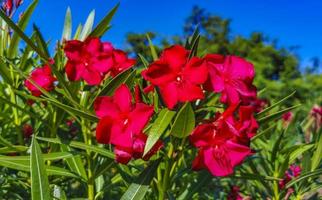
(291, 22)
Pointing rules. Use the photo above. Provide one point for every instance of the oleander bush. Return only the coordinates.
(178, 121)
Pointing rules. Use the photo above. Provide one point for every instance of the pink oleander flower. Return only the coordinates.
(287, 117)
(246, 125)
(120, 62)
(43, 77)
(121, 124)
(231, 76)
(178, 77)
(92, 59)
(89, 60)
(218, 141)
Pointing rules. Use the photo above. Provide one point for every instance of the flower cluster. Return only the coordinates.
(223, 141)
(92, 59)
(121, 124)
(178, 77)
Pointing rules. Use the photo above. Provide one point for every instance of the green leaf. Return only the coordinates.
(276, 146)
(202, 179)
(315, 173)
(40, 41)
(67, 31)
(49, 156)
(108, 89)
(74, 163)
(58, 171)
(88, 26)
(144, 61)
(247, 176)
(280, 102)
(80, 145)
(138, 189)
(5, 73)
(260, 134)
(299, 151)
(158, 127)
(39, 181)
(24, 165)
(73, 111)
(23, 36)
(16, 148)
(276, 115)
(152, 48)
(22, 24)
(104, 25)
(184, 122)
(317, 155)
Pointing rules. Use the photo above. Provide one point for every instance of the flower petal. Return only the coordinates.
(169, 94)
(140, 116)
(176, 56)
(217, 162)
(104, 106)
(158, 73)
(74, 70)
(123, 98)
(91, 77)
(196, 71)
(122, 155)
(103, 130)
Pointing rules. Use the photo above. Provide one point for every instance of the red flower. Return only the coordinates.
(121, 123)
(27, 130)
(42, 77)
(293, 172)
(124, 155)
(138, 94)
(92, 59)
(120, 62)
(232, 77)
(220, 149)
(88, 60)
(287, 117)
(246, 125)
(178, 77)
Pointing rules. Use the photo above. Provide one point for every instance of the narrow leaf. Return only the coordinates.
(158, 127)
(138, 189)
(39, 181)
(104, 25)
(67, 31)
(88, 26)
(184, 122)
